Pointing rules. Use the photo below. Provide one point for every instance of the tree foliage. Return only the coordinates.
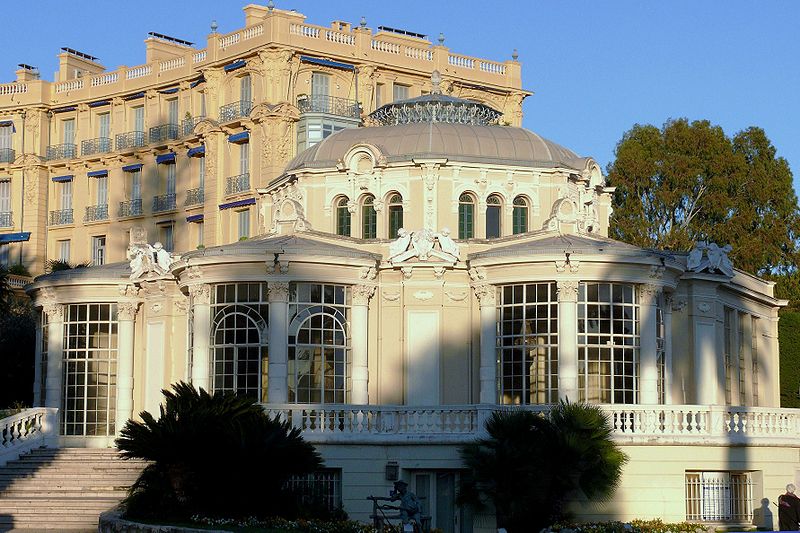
(688, 182)
(530, 465)
(215, 455)
(17, 346)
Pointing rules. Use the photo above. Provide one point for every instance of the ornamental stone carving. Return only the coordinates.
(129, 290)
(486, 294)
(54, 312)
(194, 273)
(710, 257)
(477, 274)
(278, 291)
(147, 261)
(201, 294)
(367, 273)
(561, 266)
(422, 244)
(456, 296)
(649, 293)
(127, 310)
(567, 291)
(362, 293)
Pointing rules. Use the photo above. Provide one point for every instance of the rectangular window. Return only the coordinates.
(399, 92)
(172, 111)
(244, 158)
(728, 355)
(754, 357)
(68, 131)
(201, 172)
(5, 137)
(719, 497)
(200, 234)
(99, 250)
(136, 184)
(244, 223)
(320, 84)
(63, 250)
(741, 340)
(323, 487)
(378, 95)
(169, 184)
(4, 261)
(102, 190)
(104, 125)
(138, 118)
(245, 88)
(168, 237)
(5, 196)
(66, 195)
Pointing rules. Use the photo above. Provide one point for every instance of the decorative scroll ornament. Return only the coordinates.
(54, 312)
(201, 294)
(278, 291)
(710, 257)
(127, 310)
(147, 261)
(422, 245)
(486, 294)
(362, 294)
(567, 291)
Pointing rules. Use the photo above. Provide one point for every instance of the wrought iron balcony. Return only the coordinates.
(7, 155)
(240, 183)
(63, 216)
(165, 202)
(188, 124)
(101, 145)
(194, 196)
(96, 212)
(332, 105)
(131, 139)
(164, 132)
(235, 110)
(5, 219)
(61, 151)
(130, 208)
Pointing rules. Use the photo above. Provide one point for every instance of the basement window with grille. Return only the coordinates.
(322, 488)
(719, 497)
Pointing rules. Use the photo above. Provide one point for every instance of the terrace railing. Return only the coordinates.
(96, 212)
(60, 217)
(235, 110)
(61, 151)
(164, 202)
(101, 145)
(240, 183)
(164, 132)
(333, 105)
(131, 139)
(130, 208)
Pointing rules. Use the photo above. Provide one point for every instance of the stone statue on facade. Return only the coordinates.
(146, 260)
(422, 244)
(710, 257)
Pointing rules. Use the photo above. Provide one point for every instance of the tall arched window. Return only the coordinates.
(369, 219)
(466, 216)
(342, 217)
(395, 214)
(520, 215)
(494, 210)
(239, 360)
(318, 343)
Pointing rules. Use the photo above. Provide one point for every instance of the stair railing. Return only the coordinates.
(26, 430)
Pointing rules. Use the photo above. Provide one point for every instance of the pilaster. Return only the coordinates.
(648, 363)
(487, 299)
(568, 340)
(278, 385)
(201, 334)
(359, 343)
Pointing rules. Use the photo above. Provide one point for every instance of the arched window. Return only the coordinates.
(466, 216)
(369, 219)
(239, 339)
(342, 217)
(494, 209)
(318, 343)
(520, 215)
(395, 214)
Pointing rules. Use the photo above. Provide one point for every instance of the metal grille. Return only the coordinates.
(61, 151)
(163, 132)
(131, 139)
(318, 103)
(130, 208)
(194, 196)
(6, 220)
(96, 212)
(719, 497)
(323, 487)
(63, 216)
(165, 202)
(235, 110)
(240, 183)
(100, 145)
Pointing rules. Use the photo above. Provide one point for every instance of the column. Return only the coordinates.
(126, 315)
(55, 355)
(568, 341)
(359, 334)
(201, 333)
(648, 362)
(487, 296)
(278, 384)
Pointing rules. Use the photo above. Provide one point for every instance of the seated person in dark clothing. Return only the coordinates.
(789, 510)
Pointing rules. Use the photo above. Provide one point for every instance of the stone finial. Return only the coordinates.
(214, 26)
(270, 6)
(514, 55)
(441, 39)
(363, 22)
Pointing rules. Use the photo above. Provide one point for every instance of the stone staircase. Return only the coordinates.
(63, 489)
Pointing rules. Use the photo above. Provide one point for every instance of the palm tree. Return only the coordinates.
(531, 464)
(5, 290)
(215, 455)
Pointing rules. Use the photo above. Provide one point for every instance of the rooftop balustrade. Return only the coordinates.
(333, 105)
(101, 145)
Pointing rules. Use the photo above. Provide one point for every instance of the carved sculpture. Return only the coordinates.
(146, 260)
(422, 245)
(711, 257)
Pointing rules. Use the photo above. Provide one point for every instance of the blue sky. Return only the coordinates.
(596, 67)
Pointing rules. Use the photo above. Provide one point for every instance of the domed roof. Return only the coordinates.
(457, 142)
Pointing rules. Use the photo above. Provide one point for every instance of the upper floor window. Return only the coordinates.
(172, 112)
(99, 250)
(494, 210)
(64, 250)
(167, 236)
(5, 199)
(6, 143)
(137, 117)
(399, 92)
(369, 219)
(320, 84)
(245, 88)
(395, 214)
(104, 125)
(379, 88)
(342, 217)
(68, 131)
(244, 158)
(65, 196)
(520, 215)
(466, 216)
(171, 176)
(101, 190)
(244, 223)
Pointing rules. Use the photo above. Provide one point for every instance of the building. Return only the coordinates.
(390, 353)
(166, 145)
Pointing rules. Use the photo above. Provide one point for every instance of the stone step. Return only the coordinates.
(110, 492)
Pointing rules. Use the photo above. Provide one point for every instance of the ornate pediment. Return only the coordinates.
(423, 245)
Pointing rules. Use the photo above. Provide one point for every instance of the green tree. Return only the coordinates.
(215, 455)
(688, 181)
(530, 465)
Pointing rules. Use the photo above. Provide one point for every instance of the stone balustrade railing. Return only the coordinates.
(632, 424)
(26, 430)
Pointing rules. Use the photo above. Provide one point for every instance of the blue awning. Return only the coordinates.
(97, 173)
(99, 103)
(60, 179)
(327, 62)
(134, 96)
(197, 151)
(65, 109)
(7, 123)
(197, 82)
(15, 237)
(194, 218)
(165, 158)
(239, 138)
(238, 203)
(132, 168)
(233, 66)
(171, 90)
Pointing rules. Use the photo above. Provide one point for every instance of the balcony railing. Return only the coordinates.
(96, 212)
(165, 202)
(101, 145)
(7, 155)
(64, 216)
(239, 183)
(61, 151)
(235, 110)
(6, 220)
(333, 105)
(188, 124)
(131, 139)
(194, 196)
(164, 132)
(130, 208)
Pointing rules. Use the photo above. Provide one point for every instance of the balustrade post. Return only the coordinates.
(278, 387)
(201, 334)
(487, 295)
(648, 349)
(568, 340)
(358, 343)
(126, 315)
